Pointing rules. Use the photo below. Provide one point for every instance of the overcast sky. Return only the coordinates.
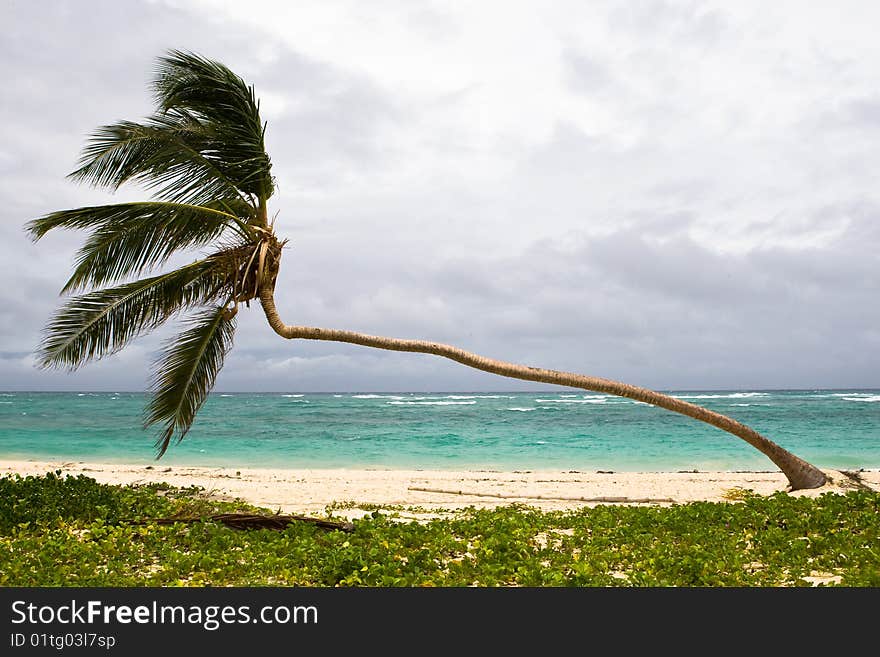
(678, 195)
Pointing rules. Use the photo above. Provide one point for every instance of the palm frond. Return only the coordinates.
(172, 154)
(130, 238)
(100, 323)
(226, 108)
(99, 217)
(186, 372)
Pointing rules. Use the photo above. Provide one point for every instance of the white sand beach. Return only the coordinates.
(310, 491)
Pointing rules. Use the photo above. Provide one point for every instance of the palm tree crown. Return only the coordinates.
(202, 154)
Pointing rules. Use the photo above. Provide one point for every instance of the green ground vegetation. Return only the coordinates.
(73, 531)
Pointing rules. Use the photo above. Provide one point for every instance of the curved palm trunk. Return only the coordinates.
(800, 473)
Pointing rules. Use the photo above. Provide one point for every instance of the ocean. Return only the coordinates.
(555, 429)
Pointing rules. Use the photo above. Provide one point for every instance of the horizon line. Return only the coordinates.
(397, 392)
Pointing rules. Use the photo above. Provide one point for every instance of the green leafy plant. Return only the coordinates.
(75, 532)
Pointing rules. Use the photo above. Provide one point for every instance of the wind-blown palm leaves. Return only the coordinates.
(202, 154)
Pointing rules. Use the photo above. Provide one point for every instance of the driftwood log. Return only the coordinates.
(623, 500)
(255, 521)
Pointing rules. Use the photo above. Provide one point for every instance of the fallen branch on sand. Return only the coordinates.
(624, 500)
(255, 521)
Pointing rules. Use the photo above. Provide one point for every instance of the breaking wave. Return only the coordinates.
(431, 403)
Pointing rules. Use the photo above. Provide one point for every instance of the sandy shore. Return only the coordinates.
(310, 491)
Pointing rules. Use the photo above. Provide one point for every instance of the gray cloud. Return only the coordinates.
(328, 122)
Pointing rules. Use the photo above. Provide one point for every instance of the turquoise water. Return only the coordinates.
(557, 429)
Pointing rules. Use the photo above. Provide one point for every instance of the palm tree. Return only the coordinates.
(202, 153)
